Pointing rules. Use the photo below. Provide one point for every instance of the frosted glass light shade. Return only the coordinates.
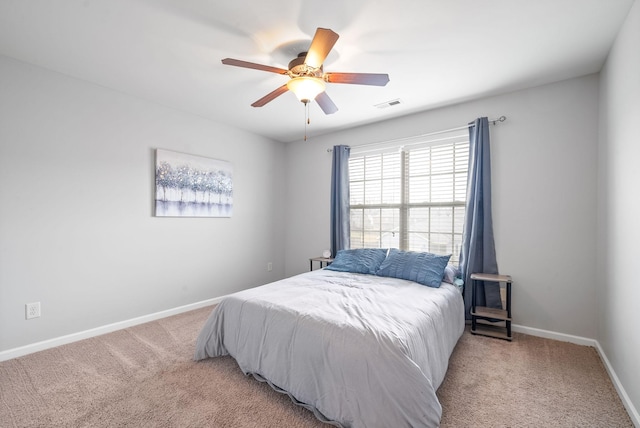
(306, 88)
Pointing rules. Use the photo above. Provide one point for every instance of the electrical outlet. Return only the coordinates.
(32, 310)
(269, 267)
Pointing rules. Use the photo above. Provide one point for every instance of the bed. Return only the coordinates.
(355, 346)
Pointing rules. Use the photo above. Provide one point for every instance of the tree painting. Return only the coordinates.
(192, 186)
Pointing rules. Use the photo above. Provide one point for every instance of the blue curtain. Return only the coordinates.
(340, 199)
(478, 253)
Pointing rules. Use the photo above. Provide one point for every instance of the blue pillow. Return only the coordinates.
(360, 260)
(423, 268)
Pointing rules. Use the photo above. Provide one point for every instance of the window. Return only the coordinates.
(412, 199)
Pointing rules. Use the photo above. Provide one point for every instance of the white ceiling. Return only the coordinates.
(436, 52)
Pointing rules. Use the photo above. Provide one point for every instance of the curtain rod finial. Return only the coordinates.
(500, 119)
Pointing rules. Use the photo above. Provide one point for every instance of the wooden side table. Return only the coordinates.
(483, 319)
(323, 261)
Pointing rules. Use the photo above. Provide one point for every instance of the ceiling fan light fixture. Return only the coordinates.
(306, 88)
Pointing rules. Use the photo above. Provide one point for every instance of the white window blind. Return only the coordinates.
(411, 199)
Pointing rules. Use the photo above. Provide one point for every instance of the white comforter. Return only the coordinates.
(358, 350)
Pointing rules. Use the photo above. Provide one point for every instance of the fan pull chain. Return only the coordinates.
(307, 120)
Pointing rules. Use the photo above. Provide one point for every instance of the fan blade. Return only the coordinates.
(321, 45)
(326, 103)
(270, 96)
(358, 78)
(245, 64)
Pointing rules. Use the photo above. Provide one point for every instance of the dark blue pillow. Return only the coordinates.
(359, 260)
(423, 268)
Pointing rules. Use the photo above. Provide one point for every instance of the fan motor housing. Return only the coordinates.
(298, 68)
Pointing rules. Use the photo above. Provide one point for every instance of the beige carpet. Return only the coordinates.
(144, 377)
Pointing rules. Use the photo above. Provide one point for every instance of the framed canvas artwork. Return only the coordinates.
(192, 186)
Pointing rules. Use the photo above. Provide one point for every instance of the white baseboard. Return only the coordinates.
(626, 401)
(578, 340)
(74, 337)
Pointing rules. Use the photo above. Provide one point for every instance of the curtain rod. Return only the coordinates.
(398, 140)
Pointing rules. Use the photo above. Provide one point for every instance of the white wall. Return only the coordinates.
(77, 231)
(544, 199)
(619, 207)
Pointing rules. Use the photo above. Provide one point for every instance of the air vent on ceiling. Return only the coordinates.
(389, 103)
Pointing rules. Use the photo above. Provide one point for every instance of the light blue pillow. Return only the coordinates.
(358, 260)
(423, 268)
(450, 274)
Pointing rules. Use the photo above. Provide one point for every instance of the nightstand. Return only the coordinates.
(323, 261)
(491, 322)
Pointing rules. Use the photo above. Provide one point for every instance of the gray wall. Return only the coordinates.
(544, 198)
(76, 226)
(619, 208)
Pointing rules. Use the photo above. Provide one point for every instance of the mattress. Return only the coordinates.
(358, 350)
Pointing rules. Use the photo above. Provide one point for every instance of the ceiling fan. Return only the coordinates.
(307, 78)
